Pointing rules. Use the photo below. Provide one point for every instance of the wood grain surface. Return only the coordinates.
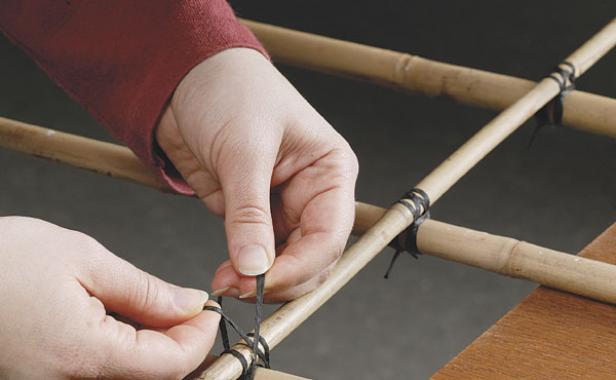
(549, 335)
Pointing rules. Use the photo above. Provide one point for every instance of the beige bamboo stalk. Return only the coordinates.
(286, 319)
(439, 239)
(507, 256)
(268, 374)
(98, 156)
(585, 111)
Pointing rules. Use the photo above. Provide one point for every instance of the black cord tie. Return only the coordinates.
(552, 113)
(261, 357)
(417, 202)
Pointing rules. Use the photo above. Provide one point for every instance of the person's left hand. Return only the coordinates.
(256, 152)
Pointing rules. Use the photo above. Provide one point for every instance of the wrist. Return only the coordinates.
(230, 66)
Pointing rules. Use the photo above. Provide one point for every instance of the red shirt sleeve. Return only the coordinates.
(121, 59)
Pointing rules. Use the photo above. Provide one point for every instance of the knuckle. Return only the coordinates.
(324, 275)
(88, 243)
(85, 249)
(145, 293)
(339, 250)
(349, 160)
(250, 214)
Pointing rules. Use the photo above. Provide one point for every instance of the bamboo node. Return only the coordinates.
(402, 68)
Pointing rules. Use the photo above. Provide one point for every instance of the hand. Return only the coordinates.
(55, 287)
(256, 152)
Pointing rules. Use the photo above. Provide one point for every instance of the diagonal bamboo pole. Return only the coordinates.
(287, 318)
(584, 111)
(268, 374)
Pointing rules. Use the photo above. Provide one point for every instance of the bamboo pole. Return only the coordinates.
(268, 374)
(507, 256)
(474, 248)
(493, 133)
(478, 249)
(584, 111)
(101, 157)
(397, 218)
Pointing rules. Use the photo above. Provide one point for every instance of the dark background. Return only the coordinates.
(560, 193)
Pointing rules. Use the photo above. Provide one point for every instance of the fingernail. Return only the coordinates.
(219, 292)
(253, 260)
(227, 292)
(190, 300)
(251, 293)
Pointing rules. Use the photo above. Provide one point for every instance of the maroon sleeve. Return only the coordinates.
(121, 59)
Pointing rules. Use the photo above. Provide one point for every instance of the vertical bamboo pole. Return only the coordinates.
(282, 322)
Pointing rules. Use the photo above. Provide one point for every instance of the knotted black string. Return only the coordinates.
(252, 339)
(552, 112)
(417, 202)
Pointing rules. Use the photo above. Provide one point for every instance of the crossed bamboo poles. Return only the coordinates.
(585, 111)
(503, 255)
(397, 218)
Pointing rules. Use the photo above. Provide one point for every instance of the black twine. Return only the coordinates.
(417, 202)
(261, 357)
(552, 112)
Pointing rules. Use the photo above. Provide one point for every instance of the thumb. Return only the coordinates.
(138, 295)
(248, 219)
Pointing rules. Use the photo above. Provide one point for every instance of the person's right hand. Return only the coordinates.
(56, 287)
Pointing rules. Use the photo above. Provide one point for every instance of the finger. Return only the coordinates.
(199, 179)
(289, 294)
(229, 283)
(245, 180)
(148, 354)
(319, 202)
(292, 293)
(138, 295)
(226, 281)
(325, 226)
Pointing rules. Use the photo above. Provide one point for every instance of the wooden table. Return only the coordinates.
(549, 335)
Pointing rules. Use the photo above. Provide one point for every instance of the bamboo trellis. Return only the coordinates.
(521, 99)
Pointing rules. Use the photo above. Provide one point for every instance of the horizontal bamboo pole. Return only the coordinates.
(584, 111)
(101, 157)
(398, 217)
(507, 256)
(434, 238)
